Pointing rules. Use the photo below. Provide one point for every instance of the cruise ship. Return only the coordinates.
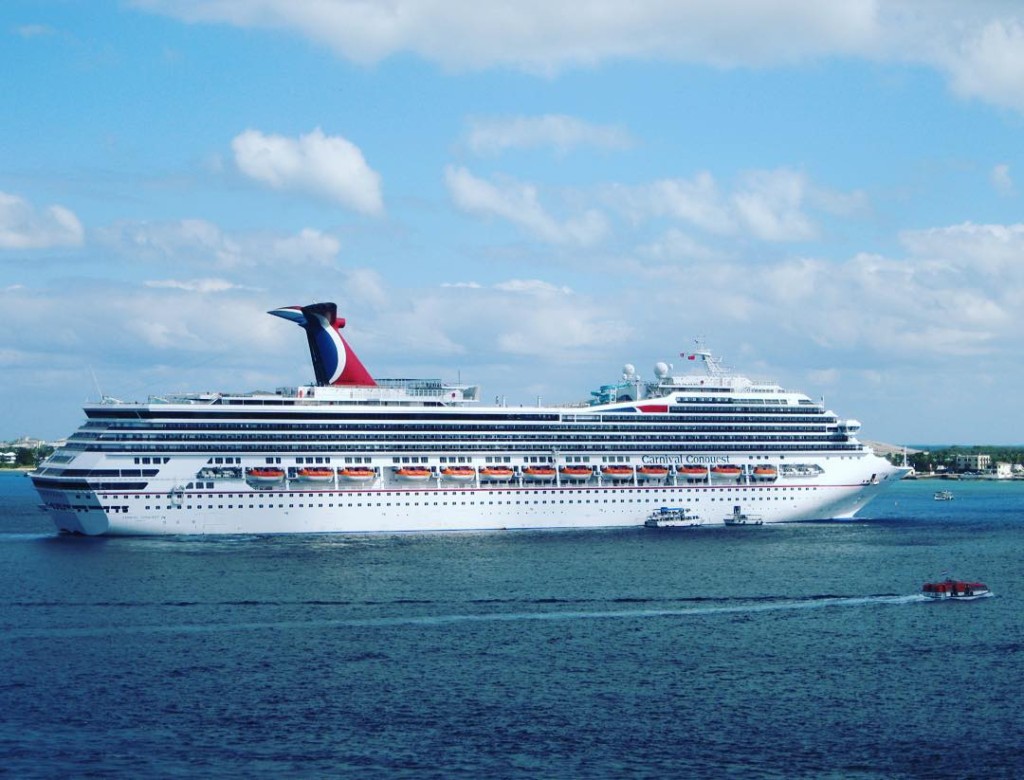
(352, 454)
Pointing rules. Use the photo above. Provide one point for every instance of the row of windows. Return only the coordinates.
(598, 422)
(386, 447)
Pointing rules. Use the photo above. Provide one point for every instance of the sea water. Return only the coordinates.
(800, 650)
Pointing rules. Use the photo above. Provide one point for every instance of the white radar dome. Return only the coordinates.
(628, 371)
(661, 369)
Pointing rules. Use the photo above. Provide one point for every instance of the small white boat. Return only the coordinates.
(672, 517)
(956, 590)
(943, 495)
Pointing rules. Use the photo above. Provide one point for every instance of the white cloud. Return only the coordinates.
(564, 133)
(1001, 179)
(325, 166)
(979, 45)
(769, 203)
(202, 286)
(34, 30)
(988, 63)
(543, 36)
(534, 287)
(697, 201)
(204, 244)
(22, 226)
(519, 203)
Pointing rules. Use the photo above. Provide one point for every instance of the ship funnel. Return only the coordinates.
(334, 362)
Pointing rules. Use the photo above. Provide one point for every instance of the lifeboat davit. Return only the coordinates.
(652, 472)
(413, 473)
(539, 473)
(496, 473)
(617, 472)
(357, 474)
(265, 476)
(576, 473)
(315, 474)
(458, 473)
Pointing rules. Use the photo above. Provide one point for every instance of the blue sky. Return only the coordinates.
(526, 195)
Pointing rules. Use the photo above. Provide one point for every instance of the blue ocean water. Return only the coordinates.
(775, 651)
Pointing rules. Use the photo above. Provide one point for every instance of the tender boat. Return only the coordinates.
(672, 517)
(957, 590)
(765, 473)
(943, 495)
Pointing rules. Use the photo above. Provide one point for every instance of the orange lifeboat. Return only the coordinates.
(265, 475)
(652, 472)
(539, 473)
(726, 472)
(413, 473)
(693, 473)
(496, 473)
(765, 473)
(576, 473)
(357, 473)
(458, 473)
(617, 472)
(315, 474)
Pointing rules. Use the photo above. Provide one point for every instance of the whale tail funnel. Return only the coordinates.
(334, 362)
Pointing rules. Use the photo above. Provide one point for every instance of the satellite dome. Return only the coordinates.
(661, 369)
(628, 371)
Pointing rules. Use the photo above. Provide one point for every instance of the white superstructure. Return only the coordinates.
(409, 455)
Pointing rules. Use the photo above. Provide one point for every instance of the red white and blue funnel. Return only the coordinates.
(334, 362)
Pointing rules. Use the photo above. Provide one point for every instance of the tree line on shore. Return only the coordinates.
(945, 458)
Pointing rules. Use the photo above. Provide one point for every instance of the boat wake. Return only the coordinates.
(772, 604)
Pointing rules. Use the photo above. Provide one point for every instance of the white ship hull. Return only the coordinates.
(440, 506)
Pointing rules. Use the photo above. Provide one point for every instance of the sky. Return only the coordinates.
(519, 194)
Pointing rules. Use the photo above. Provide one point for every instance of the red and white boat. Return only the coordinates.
(957, 590)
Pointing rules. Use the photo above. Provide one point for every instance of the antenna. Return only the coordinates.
(95, 381)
